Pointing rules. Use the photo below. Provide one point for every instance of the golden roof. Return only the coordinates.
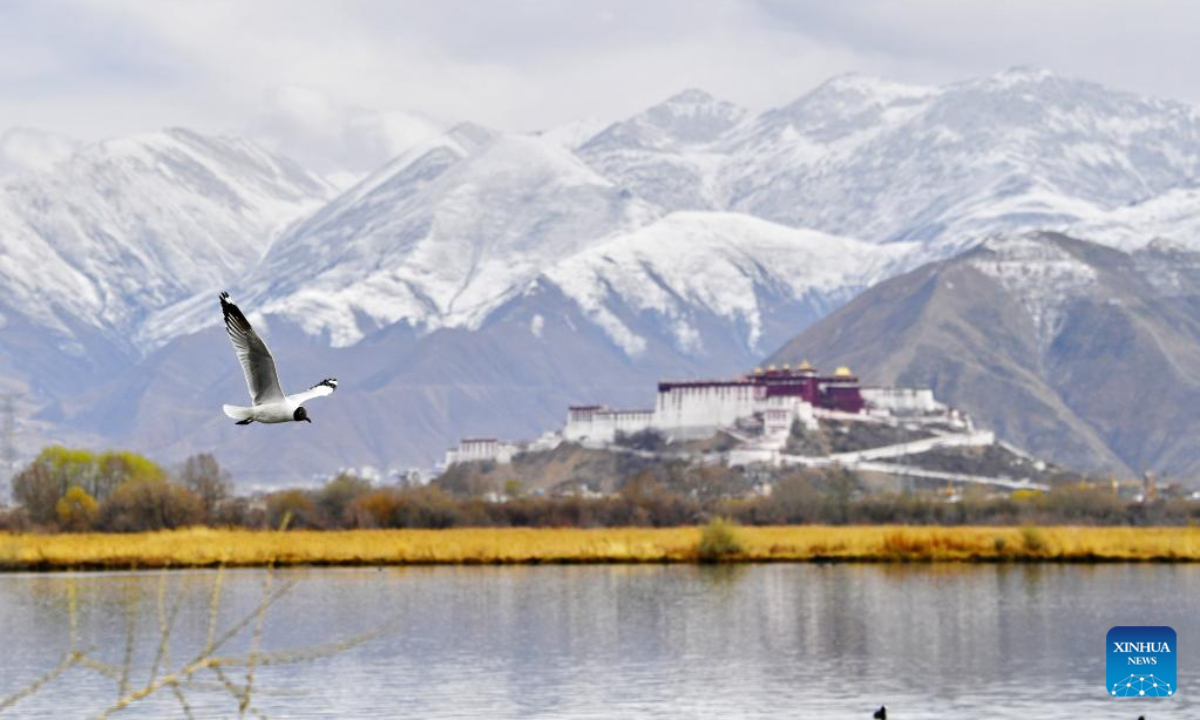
(843, 371)
(804, 366)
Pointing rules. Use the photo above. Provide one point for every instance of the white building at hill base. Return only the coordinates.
(477, 449)
(902, 401)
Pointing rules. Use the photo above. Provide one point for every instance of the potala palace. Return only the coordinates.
(764, 403)
(759, 412)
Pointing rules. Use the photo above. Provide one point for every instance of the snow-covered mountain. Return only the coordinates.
(440, 242)
(668, 153)
(482, 280)
(881, 161)
(129, 226)
(1173, 216)
(447, 232)
(750, 274)
(453, 230)
(94, 242)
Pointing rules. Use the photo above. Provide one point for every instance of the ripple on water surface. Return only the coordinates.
(763, 641)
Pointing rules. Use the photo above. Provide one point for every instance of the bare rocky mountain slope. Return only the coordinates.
(1076, 352)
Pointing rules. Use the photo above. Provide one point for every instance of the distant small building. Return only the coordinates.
(409, 477)
(479, 449)
(597, 422)
(777, 421)
(902, 401)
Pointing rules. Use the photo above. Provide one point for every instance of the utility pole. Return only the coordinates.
(8, 444)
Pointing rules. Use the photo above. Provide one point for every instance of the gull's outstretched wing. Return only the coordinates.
(252, 352)
(321, 389)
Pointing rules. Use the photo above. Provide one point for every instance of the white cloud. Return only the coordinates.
(310, 126)
(341, 83)
(28, 150)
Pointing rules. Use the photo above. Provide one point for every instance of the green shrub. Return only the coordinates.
(43, 482)
(76, 510)
(337, 495)
(1033, 539)
(718, 540)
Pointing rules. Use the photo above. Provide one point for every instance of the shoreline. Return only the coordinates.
(205, 547)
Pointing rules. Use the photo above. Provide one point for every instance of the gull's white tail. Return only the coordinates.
(236, 412)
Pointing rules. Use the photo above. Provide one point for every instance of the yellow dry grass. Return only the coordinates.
(199, 547)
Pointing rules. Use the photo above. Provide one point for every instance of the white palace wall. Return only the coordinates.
(685, 412)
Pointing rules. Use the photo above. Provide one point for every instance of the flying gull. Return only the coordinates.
(270, 404)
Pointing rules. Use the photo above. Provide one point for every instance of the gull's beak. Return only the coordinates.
(308, 421)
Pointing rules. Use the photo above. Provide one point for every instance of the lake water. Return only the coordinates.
(762, 641)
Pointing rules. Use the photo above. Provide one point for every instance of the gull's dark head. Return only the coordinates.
(301, 415)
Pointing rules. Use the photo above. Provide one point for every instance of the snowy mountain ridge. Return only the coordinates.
(453, 228)
(446, 237)
(450, 232)
(131, 225)
(880, 161)
(720, 264)
(692, 237)
(442, 241)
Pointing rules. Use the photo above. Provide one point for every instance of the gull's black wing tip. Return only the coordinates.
(234, 319)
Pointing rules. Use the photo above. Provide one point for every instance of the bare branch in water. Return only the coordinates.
(166, 621)
(183, 678)
(256, 641)
(70, 661)
(131, 616)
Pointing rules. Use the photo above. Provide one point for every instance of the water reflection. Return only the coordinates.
(930, 641)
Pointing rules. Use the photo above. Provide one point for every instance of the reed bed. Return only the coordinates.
(204, 547)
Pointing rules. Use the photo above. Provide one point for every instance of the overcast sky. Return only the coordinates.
(339, 83)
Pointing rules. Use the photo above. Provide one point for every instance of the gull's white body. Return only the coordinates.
(270, 404)
(272, 412)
